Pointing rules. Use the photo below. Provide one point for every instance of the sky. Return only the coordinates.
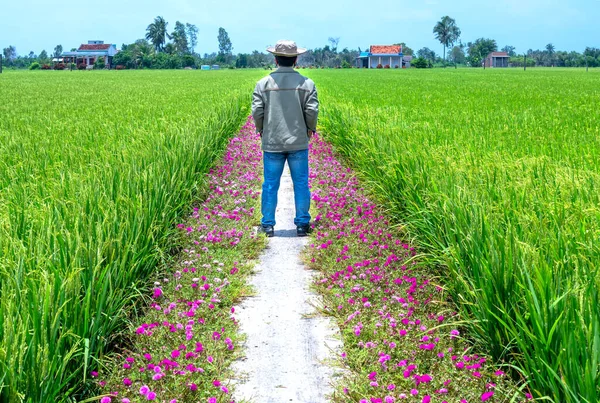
(33, 25)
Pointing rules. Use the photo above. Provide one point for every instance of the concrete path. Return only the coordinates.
(284, 348)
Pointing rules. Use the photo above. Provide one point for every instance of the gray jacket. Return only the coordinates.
(285, 107)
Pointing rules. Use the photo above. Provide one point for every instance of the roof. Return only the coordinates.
(85, 54)
(385, 49)
(498, 54)
(87, 47)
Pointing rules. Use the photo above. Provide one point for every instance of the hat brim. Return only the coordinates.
(299, 51)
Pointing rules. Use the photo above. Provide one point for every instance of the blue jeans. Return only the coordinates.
(273, 168)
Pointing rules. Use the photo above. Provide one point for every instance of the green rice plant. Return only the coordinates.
(95, 169)
(496, 173)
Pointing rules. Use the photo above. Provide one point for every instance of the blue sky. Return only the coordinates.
(568, 24)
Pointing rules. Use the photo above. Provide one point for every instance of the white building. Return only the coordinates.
(383, 56)
(90, 52)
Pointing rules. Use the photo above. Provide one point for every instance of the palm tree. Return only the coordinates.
(550, 51)
(157, 33)
(141, 51)
(447, 32)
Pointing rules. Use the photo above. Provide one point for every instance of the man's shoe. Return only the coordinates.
(268, 230)
(303, 230)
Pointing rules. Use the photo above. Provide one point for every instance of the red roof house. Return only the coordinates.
(88, 53)
(383, 56)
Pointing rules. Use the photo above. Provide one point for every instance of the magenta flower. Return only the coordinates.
(105, 399)
(193, 387)
(151, 396)
(127, 382)
(212, 400)
(487, 395)
(144, 390)
(175, 353)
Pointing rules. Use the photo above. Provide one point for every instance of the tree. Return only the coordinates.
(447, 32)
(180, 40)
(334, 41)
(225, 47)
(43, 57)
(427, 54)
(510, 50)
(405, 49)
(550, 52)
(157, 33)
(192, 36)
(457, 54)
(421, 63)
(58, 50)
(241, 61)
(479, 50)
(10, 53)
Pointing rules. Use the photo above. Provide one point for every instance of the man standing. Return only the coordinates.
(285, 107)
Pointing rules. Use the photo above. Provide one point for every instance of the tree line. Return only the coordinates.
(161, 49)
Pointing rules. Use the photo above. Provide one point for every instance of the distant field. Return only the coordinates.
(95, 167)
(497, 174)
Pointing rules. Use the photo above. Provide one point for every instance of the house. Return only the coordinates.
(383, 55)
(87, 54)
(497, 59)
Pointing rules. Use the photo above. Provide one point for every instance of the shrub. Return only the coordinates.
(59, 66)
(120, 67)
(387, 66)
(34, 66)
(46, 67)
(420, 63)
(99, 64)
(396, 66)
(81, 66)
(379, 66)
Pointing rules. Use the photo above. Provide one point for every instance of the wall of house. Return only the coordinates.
(375, 60)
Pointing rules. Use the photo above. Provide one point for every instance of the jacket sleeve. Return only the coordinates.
(258, 108)
(311, 110)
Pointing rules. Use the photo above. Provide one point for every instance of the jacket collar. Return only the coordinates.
(285, 70)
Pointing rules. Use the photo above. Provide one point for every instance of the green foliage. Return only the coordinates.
(479, 50)
(34, 66)
(192, 36)
(225, 47)
(447, 32)
(99, 64)
(180, 40)
(86, 217)
(157, 33)
(58, 50)
(426, 54)
(496, 174)
(421, 63)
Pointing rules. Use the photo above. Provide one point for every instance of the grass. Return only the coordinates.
(95, 169)
(180, 350)
(496, 175)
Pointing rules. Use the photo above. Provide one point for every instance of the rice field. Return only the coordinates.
(492, 174)
(496, 175)
(96, 168)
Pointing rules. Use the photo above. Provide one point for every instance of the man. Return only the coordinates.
(285, 109)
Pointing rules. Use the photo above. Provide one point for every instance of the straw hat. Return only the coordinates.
(286, 48)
